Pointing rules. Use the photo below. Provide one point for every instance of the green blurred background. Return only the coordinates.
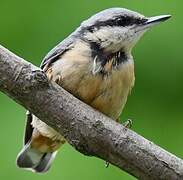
(32, 28)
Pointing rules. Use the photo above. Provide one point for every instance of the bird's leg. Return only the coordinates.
(128, 123)
(106, 164)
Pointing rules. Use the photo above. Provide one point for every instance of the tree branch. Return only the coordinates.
(89, 131)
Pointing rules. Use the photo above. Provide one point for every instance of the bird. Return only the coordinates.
(95, 64)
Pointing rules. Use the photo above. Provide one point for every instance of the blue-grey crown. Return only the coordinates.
(113, 17)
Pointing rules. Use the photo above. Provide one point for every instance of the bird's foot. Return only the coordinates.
(106, 164)
(128, 123)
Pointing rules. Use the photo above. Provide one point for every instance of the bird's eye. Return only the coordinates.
(127, 21)
(120, 22)
(123, 21)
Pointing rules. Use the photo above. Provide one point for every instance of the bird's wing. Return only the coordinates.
(50, 58)
(59, 50)
(28, 128)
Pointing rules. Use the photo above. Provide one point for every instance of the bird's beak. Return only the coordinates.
(156, 20)
(152, 21)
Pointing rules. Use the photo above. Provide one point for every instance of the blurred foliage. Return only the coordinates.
(32, 28)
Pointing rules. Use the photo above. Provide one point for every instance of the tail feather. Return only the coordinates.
(32, 159)
(39, 150)
(45, 163)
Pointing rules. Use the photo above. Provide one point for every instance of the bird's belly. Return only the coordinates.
(107, 94)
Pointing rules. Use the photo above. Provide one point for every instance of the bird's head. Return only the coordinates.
(118, 29)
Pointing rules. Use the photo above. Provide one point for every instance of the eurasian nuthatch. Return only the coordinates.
(95, 64)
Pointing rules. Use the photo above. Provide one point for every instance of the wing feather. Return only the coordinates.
(59, 50)
(28, 128)
(50, 58)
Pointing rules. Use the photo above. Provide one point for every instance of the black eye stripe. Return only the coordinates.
(124, 21)
(118, 21)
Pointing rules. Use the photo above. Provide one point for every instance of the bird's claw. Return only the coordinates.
(128, 123)
(106, 164)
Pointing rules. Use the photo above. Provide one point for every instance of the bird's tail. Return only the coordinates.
(33, 159)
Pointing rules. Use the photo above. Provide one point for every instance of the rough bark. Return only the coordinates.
(89, 131)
